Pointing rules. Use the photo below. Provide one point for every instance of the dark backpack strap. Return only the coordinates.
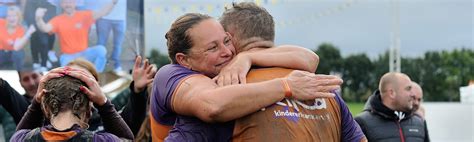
(34, 136)
(84, 136)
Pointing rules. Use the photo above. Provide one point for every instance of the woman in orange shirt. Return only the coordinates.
(13, 38)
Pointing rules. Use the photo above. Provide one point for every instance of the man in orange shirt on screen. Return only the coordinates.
(72, 28)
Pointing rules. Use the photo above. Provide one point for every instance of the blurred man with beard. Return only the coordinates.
(390, 116)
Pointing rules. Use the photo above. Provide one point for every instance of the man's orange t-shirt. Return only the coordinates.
(7, 40)
(289, 120)
(73, 31)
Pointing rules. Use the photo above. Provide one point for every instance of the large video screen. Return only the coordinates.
(43, 34)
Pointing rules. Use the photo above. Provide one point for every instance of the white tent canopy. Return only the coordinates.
(11, 76)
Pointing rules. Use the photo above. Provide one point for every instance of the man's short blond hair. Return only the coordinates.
(388, 79)
(249, 20)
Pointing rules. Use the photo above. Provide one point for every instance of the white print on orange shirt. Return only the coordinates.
(288, 114)
(318, 104)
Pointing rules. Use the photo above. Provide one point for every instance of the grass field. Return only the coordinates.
(355, 108)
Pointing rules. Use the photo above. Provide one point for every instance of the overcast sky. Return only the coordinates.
(355, 26)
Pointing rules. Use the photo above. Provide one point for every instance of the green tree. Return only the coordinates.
(330, 59)
(358, 77)
(445, 72)
(381, 66)
(158, 59)
(440, 73)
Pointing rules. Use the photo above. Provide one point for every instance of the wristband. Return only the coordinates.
(287, 88)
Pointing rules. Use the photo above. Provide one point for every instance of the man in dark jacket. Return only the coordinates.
(389, 117)
(12, 101)
(13, 104)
